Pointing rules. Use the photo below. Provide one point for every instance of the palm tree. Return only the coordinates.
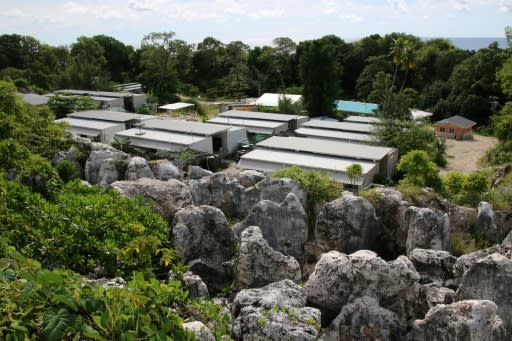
(408, 60)
(396, 52)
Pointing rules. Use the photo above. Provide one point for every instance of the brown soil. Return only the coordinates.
(463, 155)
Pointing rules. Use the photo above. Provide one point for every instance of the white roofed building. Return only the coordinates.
(101, 131)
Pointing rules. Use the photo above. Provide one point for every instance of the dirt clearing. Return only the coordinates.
(463, 155)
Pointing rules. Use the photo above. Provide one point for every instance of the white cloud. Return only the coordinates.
(461, 5)
(353, 18)
(399, 6)
(505, 6)
(73, 7)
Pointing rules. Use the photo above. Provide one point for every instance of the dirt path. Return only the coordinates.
(463, 155)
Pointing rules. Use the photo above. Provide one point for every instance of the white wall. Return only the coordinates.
(108, 134)
(233, 139)
(139, 100)
(205, 145)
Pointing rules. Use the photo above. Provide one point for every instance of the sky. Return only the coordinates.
(255, 22)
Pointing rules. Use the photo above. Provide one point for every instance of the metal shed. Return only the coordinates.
(97, 130)
(253, 126)
(341, 126)
(333, 135)
(164, 140)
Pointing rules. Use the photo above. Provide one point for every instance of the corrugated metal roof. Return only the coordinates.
(255, 115)
(323, 147)
(161, 136)
(357, 107)
(189, 127)
(89, 124)
(112, 116)
(272, 100)
(342, 126)
(95, 93)
(247, 123)
(362, 119)
(333, 134)
(176, 106)
(269, 160)
(458, 121)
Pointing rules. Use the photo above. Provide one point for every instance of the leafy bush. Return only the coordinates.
(318, 185)
(84, 228)
(67, 171)
(466, 190)
(419, 170)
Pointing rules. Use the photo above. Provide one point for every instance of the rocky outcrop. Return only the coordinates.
(165, 170)
(196, 172)
(284, 225)
(490, 278)
(201, 332)
(138, 168)
(433, 294)
(346, 225)
(195, 285)
(109, 172)
(339, 278)
(433, 265)
(274, 312)
(365, 319)
(426, 229)
(465, 320)
(203, 239)
(98, 156)
(249, 178)
(169, 196)
(485, 222)
(258, 264)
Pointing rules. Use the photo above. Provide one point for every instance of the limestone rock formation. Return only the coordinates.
(274, 312)
(97, 157)
(283, 225)
(365, 319)
(464, 320)
(195, 285)
(339, 278)
(138, 168)
(433, 294)
(169, 196)
(203, 239)
(201, 332)
(485, 221)
(165, 170)
(196, 172)
(249, 178)
(347, 224)
(426, 229)
(490, 278)
(108, 172)
(433, 265)
(258, 264)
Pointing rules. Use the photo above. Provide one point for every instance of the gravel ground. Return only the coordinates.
(463, 155)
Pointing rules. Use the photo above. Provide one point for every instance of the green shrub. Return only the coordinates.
(374, 197)
(462, 243)
(67, 171)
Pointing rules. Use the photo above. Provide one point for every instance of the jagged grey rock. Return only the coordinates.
(339, 278)
(97, 157)
(138, 168)
(346, 225)
(165, 170)
(276, 190)
(196, 172)
(365, 319)
(274, 312)
(258, 264)
(426, 229)
(201, 332)
(485, 221)
(465, 262)
(195, 285)
(464, 320)
(433, 294)
(169, 196)
(284, 225)
(433, 265)
(249, 178)
(108, 172)
(490, 278)
(203, 239)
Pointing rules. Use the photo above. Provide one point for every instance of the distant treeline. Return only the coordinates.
(432, 75)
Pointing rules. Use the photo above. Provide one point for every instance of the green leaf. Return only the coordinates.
(92, 333)
(67, 300)
(56, 323)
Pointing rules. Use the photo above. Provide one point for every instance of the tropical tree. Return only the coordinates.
(419, 170)
(236, 81)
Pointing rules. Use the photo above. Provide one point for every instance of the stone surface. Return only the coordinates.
(108, 173)
(138, 168)
(283, 225)
(365, 319)
(274, 312)
(339, 278)
(485, 221)
(196, 172)
(433, 294)
(347, 224)
(465, 320)
(249, 178)
(165, 170)
(433, 265)
(195, 285)
(99, 153)
(490, 278)
(258, 264)
(201, 332)
(426, 229)
(203, 239)
(169, 196)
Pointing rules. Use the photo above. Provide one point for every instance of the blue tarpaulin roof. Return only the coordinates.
(356, 107)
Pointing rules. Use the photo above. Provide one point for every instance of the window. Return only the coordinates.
(451, 131)
(441, 129)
